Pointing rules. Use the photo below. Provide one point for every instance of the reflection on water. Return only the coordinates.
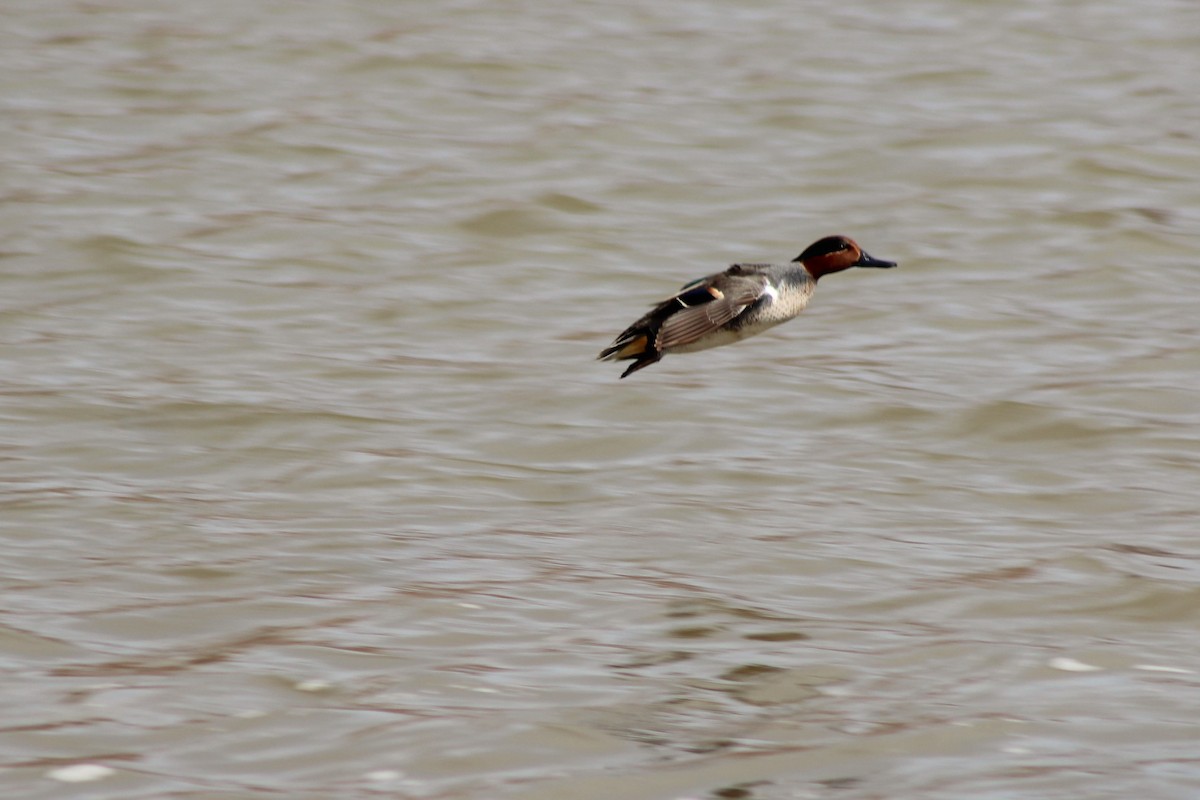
(312, 487)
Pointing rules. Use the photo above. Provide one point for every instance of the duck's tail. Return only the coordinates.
(633, 343)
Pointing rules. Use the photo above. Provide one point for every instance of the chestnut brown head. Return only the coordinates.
(836, 253)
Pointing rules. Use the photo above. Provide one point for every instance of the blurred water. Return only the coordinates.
(312, 487)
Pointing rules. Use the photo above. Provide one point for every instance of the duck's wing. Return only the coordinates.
(705, 305)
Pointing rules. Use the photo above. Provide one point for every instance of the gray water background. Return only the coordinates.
(311, 487)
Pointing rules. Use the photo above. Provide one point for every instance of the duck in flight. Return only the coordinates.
(740, 302)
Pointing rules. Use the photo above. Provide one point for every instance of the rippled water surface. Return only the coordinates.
(312, 488)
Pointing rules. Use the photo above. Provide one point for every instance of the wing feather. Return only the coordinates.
(692, 322)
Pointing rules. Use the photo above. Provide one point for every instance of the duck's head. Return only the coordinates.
(836, 253)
